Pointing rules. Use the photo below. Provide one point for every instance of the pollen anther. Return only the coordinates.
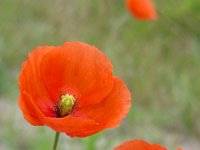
(66, 104)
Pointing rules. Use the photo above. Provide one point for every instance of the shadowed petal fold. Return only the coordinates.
(69, 124)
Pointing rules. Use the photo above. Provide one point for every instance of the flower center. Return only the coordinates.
(66, 104)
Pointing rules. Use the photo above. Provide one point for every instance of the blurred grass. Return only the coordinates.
(159, 61)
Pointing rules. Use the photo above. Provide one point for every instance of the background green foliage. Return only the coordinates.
(159, 61)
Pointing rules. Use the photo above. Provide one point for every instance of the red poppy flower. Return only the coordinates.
(140, 145)
(71, 89)
(142, 9)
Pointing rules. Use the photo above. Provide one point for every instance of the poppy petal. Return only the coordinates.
(134, 145)
(139, 145)
(142, 9)
(29, 112)
(110, 111)
(157, 147)
(71, 125)
(30, 80)
(91, 74)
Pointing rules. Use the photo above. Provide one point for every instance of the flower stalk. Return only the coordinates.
(56, 140)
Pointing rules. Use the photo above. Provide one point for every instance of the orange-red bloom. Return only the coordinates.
(140, 145)
(71, 89)
(142, 9)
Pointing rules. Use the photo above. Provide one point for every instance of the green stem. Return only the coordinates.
(56, 140)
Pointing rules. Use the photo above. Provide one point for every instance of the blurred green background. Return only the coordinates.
(159, 61)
